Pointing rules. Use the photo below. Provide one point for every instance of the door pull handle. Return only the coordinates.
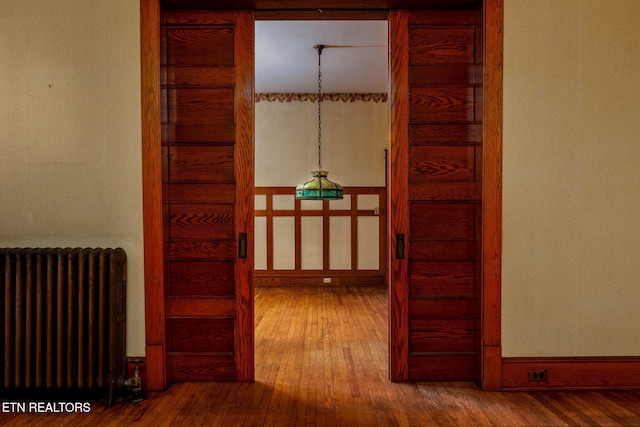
(400, 246)
(242, 245)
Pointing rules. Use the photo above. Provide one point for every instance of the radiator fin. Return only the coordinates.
(64, 321)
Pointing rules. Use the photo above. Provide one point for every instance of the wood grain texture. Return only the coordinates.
(198, 307)
(448, 16)
(321, 359)
(442, 308)
(201, 250)
(444, 133)
(442, 336)
(441, 163)
(441, 45)
(444, 250)
(450, 367)
(211, 134)
(190, 45)
(201, 221)
(201, 335)
(245, 182)
(441, 104)
(491, 257)
(442, 221)
(201, 367)
(152, 193)
(440, 279)
(329, 5)
(199, 278)
(398, 206)
(201, 17)
(443, 74)
(208, 87)
(443, 191)
(212, 77)
(190, 105)
(181, 192)
(202, 163)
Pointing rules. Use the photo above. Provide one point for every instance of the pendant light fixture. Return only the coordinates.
(319, 188)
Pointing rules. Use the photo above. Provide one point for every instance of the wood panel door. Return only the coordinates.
(208, 155)
(435, 160)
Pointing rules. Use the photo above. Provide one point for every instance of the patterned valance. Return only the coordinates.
(312, 97)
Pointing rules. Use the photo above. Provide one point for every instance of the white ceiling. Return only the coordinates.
(286, 60)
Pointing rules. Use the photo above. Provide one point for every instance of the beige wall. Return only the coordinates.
(354, 137)
(70, 162)
(571, 156)
(571, 256)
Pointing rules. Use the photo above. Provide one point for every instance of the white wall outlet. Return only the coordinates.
(326, 280)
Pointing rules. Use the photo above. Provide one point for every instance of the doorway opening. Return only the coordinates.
(197, 81)
(320, 267)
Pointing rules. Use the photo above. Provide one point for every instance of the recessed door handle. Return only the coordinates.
(242, 245)
(399, 246)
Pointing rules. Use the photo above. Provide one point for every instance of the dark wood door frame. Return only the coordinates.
(491, 203)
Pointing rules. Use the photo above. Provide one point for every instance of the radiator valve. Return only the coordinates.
(134, 385)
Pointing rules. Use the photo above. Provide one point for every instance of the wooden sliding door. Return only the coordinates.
(207, 147)
(435, 158)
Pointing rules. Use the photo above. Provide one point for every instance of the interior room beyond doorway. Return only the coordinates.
(319, 243)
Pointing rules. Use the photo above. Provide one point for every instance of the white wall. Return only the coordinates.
(70, 165)
(571, 255)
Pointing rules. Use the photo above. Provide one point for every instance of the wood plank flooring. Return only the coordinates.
(321, 360)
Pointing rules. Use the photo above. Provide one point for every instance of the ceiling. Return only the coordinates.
(354, 59)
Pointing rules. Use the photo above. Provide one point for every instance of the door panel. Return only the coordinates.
(187, 105)
(434, 158)
(207, 73)
(210, 278)
(189, 45)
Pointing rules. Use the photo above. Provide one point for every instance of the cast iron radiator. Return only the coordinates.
(64, 322)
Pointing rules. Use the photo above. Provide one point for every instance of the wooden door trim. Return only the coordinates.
(244, 160)
(491, 197)
(398, 194)
(152, 195)
(491, 252)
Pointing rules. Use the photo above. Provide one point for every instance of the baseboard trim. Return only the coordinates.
(300, 280)
(572, 373)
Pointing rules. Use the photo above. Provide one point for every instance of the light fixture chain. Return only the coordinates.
(319, 188)
(319, 48)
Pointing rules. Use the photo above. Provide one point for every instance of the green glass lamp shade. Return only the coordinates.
(319, 188)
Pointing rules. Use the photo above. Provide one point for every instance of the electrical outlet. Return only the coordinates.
(326, 280)
(538, 375)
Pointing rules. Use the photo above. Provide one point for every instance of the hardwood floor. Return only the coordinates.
(321, 359)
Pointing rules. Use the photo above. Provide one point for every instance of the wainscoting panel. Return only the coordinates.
(309, 243)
